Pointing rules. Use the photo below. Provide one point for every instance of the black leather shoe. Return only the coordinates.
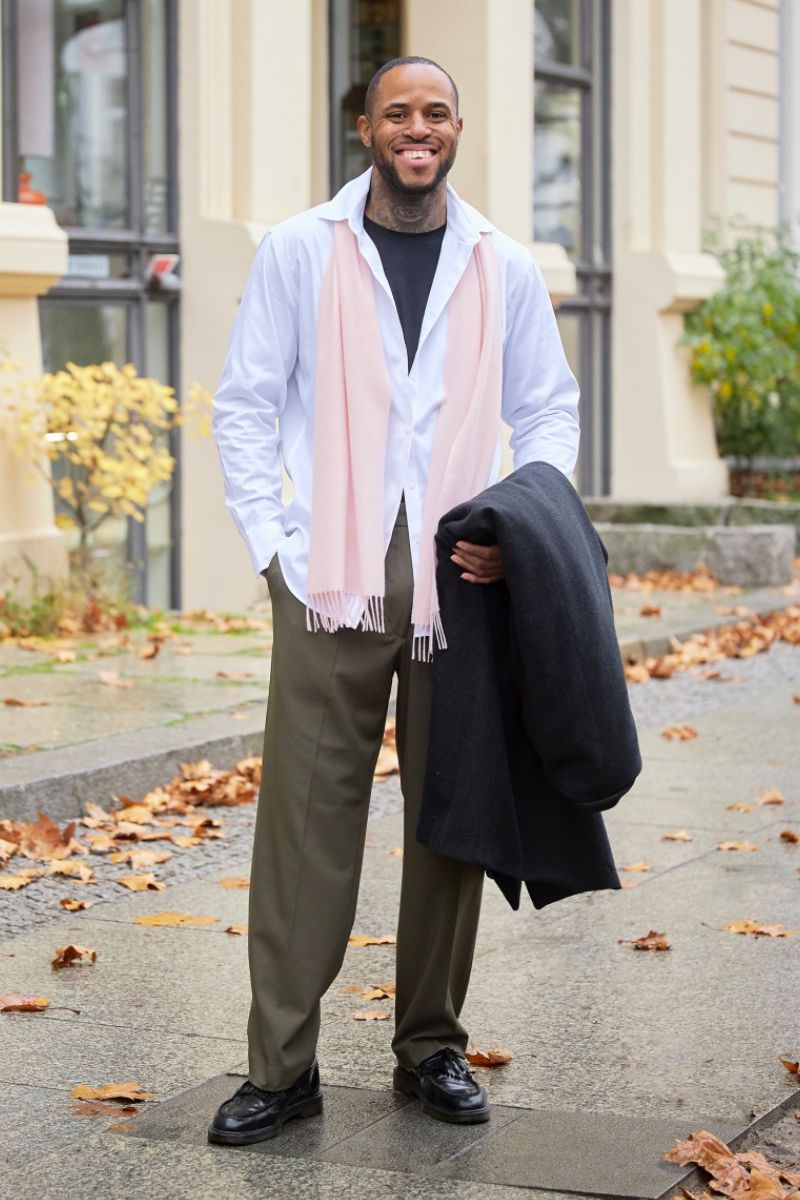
(253, 1114)
(446, 1088)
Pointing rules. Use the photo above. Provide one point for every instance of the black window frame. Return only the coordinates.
(593, 301)
(133, 292)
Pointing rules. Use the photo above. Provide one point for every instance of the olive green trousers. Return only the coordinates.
(328, 700)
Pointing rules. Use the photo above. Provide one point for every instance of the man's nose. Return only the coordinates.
(418, 125)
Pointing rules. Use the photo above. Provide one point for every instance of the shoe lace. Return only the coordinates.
(453, 1063)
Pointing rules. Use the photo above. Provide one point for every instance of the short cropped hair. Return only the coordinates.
(407, 60)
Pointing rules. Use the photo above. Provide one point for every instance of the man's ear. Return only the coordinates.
(364, 130)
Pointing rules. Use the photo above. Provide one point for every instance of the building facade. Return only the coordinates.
(148, 144)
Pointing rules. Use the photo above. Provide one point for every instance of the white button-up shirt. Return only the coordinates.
(264, 405)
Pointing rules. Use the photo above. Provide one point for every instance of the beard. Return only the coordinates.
(386, 165)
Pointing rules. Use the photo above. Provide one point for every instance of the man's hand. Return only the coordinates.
(484, 563)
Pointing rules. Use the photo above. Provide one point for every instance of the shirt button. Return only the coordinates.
(407, 430)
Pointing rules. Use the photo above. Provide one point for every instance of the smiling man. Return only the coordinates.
(381, 339)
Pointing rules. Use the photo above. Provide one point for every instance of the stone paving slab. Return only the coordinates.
(130, 1168)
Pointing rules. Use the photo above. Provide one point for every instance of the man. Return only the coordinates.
(387, 331)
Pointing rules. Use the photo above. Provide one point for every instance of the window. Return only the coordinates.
(364, 34)
(571, 200)
(89, 128)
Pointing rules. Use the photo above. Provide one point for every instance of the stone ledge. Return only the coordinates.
(745, 555)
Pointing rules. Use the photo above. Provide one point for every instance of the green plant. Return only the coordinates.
(83, 602)
(745, 344)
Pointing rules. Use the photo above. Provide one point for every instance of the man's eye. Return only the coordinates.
(396, 116)
(439, 116)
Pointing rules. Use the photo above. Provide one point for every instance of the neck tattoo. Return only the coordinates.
(406, 213)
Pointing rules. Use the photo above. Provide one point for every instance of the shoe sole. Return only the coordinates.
(408, 1085)
(305, 1108)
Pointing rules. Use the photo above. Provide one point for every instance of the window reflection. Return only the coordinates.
(557, 31)
(557, 166)
(72, 110)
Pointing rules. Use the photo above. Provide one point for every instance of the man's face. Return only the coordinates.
(414, 130)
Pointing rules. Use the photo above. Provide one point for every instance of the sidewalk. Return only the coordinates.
(616, 1053)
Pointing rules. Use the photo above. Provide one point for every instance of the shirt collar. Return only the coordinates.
(349, 202)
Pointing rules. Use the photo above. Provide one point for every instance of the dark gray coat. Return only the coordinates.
(531, 733)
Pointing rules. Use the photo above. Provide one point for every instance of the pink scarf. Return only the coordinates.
(347, 551)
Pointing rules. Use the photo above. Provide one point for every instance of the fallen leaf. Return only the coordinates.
(13, 703)
(792, 1067)
(789, 835)
(637, 866)
(395, 852)
(680, 835)
(376, 993)
(113, 679)
(65, 956)
(650, 610)
(236, 929)
(372, 1014)
(20, 879)
(140, 858)
(769, 796)
(234, 881)
(758, 930)
(130, 1090)
(636, 672)
(679, 733)
(97, 1108)
(739, 807)
(648, 941)
(75, 905)
(173, 918)
(495, 1057)
(142, 883)
(360, 939)
(11, 1002)
(737, 846)
(73, 870)
(630, 883)
(150, 651)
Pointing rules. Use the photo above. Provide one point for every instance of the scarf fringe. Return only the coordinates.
(422, 643)
(329, 610)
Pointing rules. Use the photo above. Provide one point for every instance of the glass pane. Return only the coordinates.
(156, 111)
(84, 334)
(159, 516)
(557, 31)
(72, 110)
(557, 166)
(99, 266)
(364, 35)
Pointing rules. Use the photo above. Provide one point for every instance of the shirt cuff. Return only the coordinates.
(263, 541)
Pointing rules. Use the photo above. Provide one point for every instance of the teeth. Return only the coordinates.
(416, 153)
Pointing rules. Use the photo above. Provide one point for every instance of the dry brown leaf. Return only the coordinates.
(648, 941)
(745, 846)
(494, 1057)
(142, 883)
(186, 843)
(790, 835)
(113, 679)
(395, 852)
(679, 733)
(173, 918)
(65, 956)
(679, 835)
(757, 929)
(234, 674)
(236, 929)
(791, 1066)
(20, 879)
(739, 806)
(769, 796)
(73, 869)
(12, 1002)
(66, 656)
(75, 905)
(637, 866)
(372, 1014)
(14, 703)
(650, 610)
(361, 939)
(630, 883)
(376, 993)
(234, 881)
(99, 1108)
(636, 672)
(140, 858)
(130, 1090)
(150, 651)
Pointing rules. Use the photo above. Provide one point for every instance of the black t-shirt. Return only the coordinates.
(409, 260)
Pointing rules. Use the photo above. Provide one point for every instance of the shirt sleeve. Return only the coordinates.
(260, 358)
(540, 392)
